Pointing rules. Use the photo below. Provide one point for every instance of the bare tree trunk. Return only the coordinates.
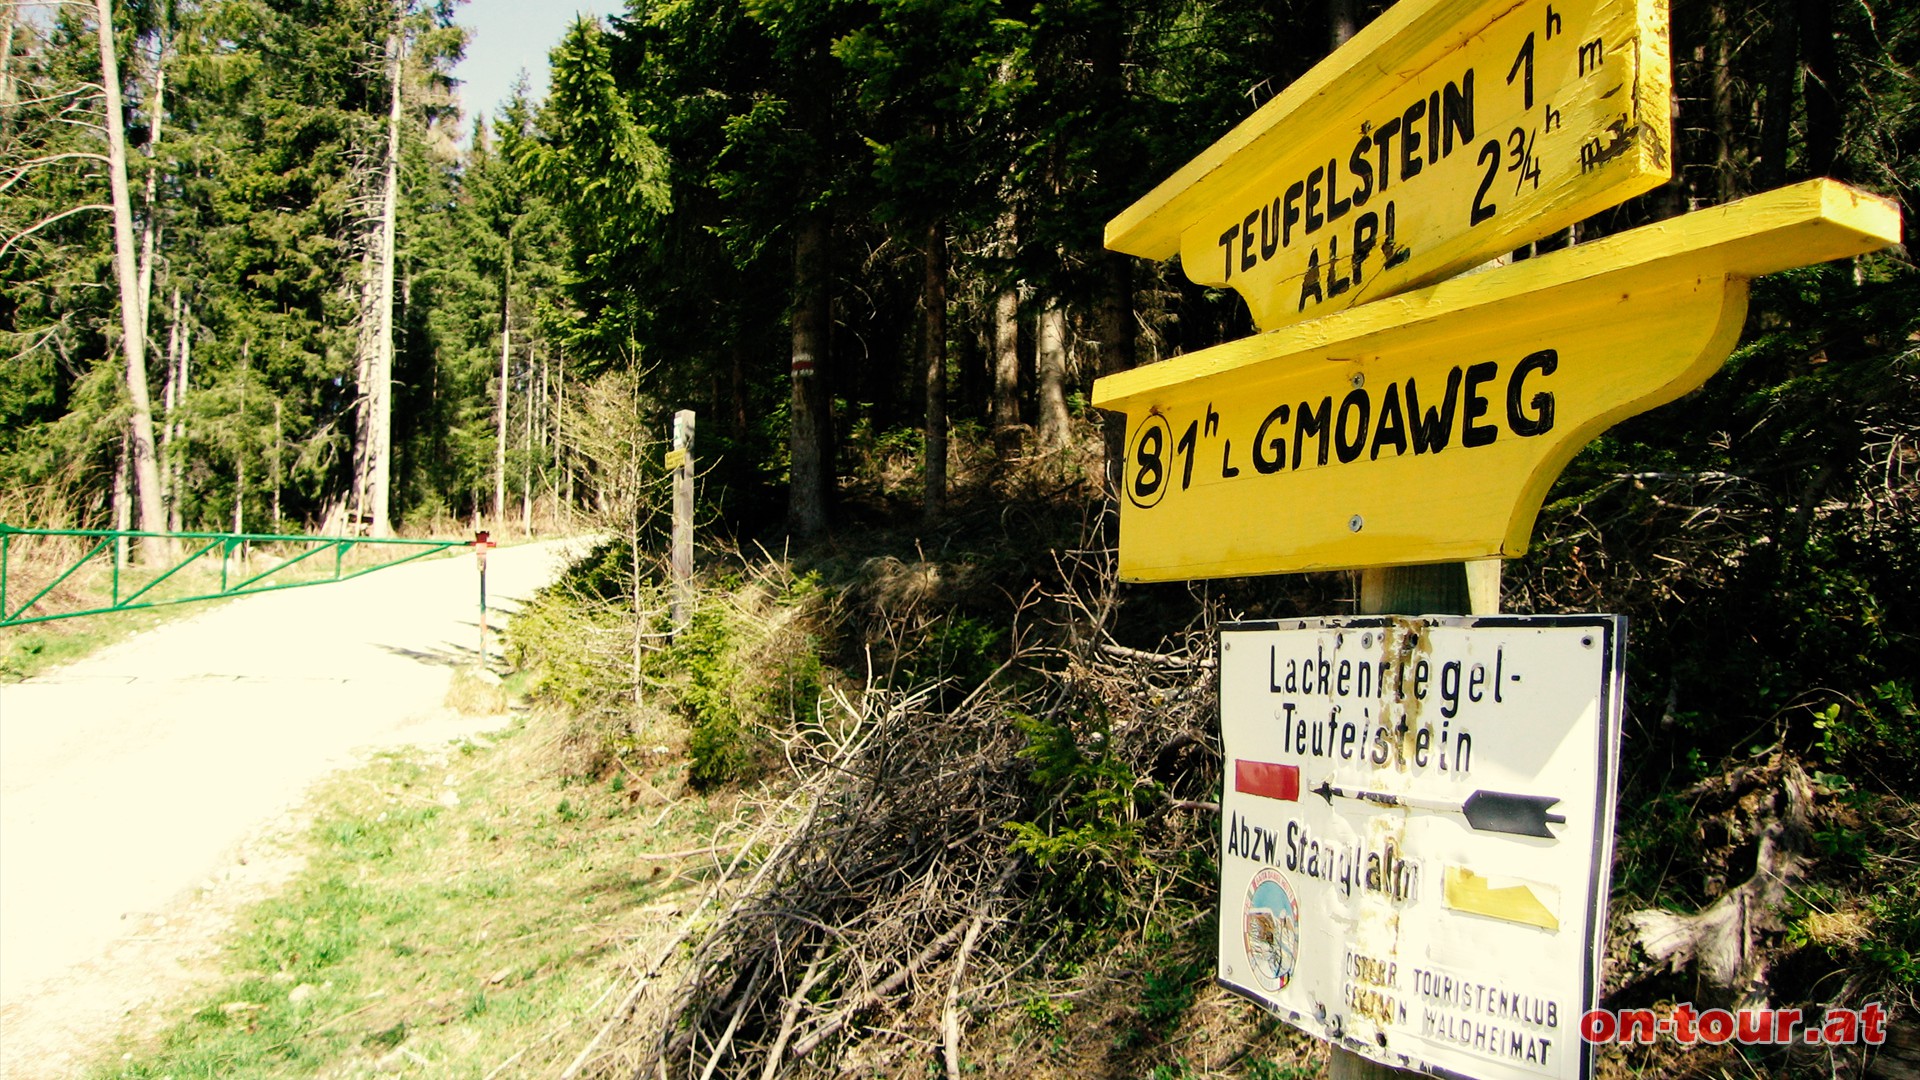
(500, 405)
(352, 513)
(7, 22)
(737, 389)
(176, 513)
(556, 401)
(560, 445)
(132, 322)
(170, 403)
(1113, 332)
(380, 469)
(277, 477)
(810, 436)
(526, 463)
(150, 221)
(122, 505)
(543, 428)
(1343, 21)
(240, 447)
(1819, 91)
(811, 411)
(1006, 374)
(1776, 117)
(544, 416)
(1719, 28)
(934, 296)
(1050, 364)
(1113, 302)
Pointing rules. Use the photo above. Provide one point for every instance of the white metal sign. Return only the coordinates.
(1417, 832)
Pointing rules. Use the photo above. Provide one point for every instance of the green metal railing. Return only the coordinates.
(106, 541)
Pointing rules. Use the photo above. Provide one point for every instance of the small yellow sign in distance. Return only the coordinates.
(1445, 133)
(674, 459)
(1427, 427)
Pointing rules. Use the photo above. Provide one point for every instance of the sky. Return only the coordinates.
(506, 36)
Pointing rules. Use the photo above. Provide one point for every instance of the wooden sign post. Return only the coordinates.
(483, 543)
(1396, 421)
(679, 462)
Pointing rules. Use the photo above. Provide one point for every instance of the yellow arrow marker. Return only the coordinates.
(1446, 132)
(1513, 901)
(1428, 427)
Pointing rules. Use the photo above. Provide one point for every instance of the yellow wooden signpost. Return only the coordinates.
(1428, 427)
(1446, 132)
(1394, 420)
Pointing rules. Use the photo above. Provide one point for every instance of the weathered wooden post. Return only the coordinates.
(679, 462)
(1439, 589)
(1417, 810)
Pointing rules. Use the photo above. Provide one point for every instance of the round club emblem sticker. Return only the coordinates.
(1272, 929)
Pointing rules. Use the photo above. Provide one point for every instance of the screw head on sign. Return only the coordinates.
(1356, 523)
(1359, 380)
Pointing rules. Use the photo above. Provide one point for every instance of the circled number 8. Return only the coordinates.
(1149, 462)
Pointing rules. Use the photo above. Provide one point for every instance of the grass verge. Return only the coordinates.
(35, 649)
(464, 912)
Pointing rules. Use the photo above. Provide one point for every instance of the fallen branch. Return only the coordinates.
(791, 1016)
(1158, 659)
(878, 994)
(733, 1025)
(950, 1013)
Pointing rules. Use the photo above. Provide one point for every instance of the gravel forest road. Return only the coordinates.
(130, 781)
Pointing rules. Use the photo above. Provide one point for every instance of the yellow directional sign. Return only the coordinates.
(1513, 901)
(1445, 133)
(1428, 427)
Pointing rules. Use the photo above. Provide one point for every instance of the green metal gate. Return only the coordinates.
(105, 544)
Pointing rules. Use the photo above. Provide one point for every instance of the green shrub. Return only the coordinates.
(744, 667)
(1084, 832)
(1882, 725)
(705, 655)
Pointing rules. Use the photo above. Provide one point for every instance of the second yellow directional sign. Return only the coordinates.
(1428, 427)
(1445, 133)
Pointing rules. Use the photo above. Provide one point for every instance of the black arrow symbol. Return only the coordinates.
(1486, 811)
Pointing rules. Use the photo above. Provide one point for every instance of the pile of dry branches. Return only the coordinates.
(884, 903)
